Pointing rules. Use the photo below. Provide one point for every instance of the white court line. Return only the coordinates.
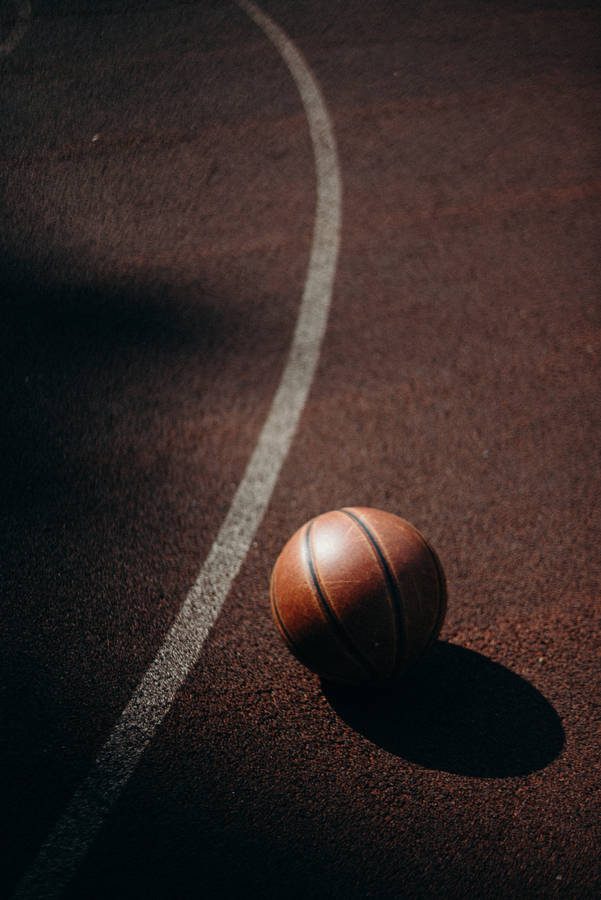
(69, 841)
(21, 25)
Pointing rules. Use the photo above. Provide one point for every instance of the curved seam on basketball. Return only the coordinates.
(345, 639)
(280, 622)
(285, 633)
(442, 587)
(393, 592)
(292, 644)
(442, 595)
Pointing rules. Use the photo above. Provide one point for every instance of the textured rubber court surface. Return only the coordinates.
(159, 192)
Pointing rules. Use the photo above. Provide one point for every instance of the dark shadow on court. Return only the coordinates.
(76, 356)
(458, 712)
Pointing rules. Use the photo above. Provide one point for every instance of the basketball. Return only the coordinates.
(358, 595)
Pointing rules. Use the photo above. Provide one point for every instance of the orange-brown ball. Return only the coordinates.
(358, 595)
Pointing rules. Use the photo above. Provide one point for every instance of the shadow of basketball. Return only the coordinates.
(458, 712)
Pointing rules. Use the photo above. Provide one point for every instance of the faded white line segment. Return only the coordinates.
(68, 843)
(22, 19)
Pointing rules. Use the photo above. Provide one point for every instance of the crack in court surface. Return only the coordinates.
(68, 843)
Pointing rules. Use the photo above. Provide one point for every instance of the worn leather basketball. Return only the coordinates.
(358, 595)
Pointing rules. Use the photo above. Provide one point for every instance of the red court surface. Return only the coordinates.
(159, 194)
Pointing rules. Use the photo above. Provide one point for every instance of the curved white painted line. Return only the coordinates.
(74, 832)
(21, 25)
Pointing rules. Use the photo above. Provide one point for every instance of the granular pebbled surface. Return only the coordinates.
(158, 197)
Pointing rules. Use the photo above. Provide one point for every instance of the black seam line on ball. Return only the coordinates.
(442, 594)
(393, 590)
(345, 639)
(292, 644)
